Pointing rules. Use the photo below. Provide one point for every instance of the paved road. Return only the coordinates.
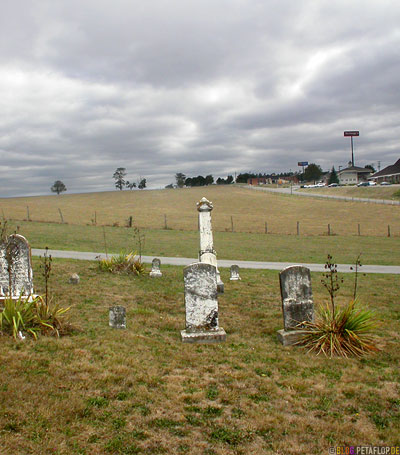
(294, 191)
(222, 263)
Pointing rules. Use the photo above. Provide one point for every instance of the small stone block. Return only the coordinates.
(212, 336)
(220, 287)
(74, 278)
(117, 317)
(290, 337)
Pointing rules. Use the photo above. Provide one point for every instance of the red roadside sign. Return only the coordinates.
(351, 133)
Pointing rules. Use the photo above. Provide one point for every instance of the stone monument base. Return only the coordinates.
(212, 336)
(290, 337)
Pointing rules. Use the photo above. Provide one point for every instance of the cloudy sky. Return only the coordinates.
(199, 87)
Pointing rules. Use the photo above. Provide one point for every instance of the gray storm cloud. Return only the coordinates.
(195, 87)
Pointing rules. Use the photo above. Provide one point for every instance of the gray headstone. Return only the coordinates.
(16, 266)
(155, 268)
(297, 298)
(235, 273)
(117, 317)
(201, 304)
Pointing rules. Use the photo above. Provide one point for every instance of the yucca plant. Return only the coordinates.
(50, 318)
(18, 315)
(340, 331)
(346, 332)
(123, 263)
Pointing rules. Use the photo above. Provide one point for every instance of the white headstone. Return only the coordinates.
(201, 305)
(155, 268)
(15, 267)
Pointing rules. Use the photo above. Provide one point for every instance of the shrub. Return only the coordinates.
(123, 263)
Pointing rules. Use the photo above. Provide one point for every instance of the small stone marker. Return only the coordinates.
(207, 253)
(15, 267)
(155, 268)
(235, 273)
(74, 278)
(297, 302)
(118, 317)
(201, 305)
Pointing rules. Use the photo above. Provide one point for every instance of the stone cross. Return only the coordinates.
(201, 305)
(15, 267)
(297, 302)
(117, 317)
(235, 273)
(207, 253)
(155, 268)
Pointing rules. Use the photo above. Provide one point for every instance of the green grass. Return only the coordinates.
(235, 246)
(141, 390)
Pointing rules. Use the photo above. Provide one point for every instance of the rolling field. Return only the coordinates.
(250, 210)
(141, 391)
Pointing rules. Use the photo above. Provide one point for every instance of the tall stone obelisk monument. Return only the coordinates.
(207, 253)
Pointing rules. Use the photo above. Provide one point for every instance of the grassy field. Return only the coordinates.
(248, 210)
(235, 246)
(141, 391)
(369, 192)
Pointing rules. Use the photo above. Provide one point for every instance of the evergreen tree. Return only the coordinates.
(118, 176)
(333, 178)
(58, 187)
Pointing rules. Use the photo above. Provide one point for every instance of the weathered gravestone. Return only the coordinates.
(207, 253)
(235, 273)
(74, 279)
(297, 302)
(201, 305)
(155, 268)
(117, 317)
(16, 276)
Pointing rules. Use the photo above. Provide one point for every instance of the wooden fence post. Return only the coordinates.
(359, 229)
(388, 230)
(232, 224)
(27, 213)
(329, 229)
(266, 227)
(298, 228)
(61, 216)
(165, 221)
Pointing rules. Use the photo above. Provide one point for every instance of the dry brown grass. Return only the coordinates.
(103, 391)
(249, 209)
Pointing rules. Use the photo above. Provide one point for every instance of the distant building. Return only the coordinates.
(257, 181)
(390, 174)
(352, 175)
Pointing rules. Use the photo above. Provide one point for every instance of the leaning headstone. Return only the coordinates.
(235, 273)
(155, 268)
(207, 253)
(16, 276)
(297, 302)
(74, 278)
(117, 317)
(201, 305)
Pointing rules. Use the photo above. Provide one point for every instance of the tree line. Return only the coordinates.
(120, 182)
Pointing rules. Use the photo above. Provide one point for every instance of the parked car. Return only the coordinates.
(385, 183)
(371, 183)
(333, 185)
(363, 184)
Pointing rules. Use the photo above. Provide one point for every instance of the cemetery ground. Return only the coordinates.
(142, 391)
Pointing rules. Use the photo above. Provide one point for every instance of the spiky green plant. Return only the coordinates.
(34, 316)
(349, 331)
(340, 331)
(18, 315)
(123, 263)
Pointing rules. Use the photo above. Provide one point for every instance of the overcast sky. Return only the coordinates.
(199, 87)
